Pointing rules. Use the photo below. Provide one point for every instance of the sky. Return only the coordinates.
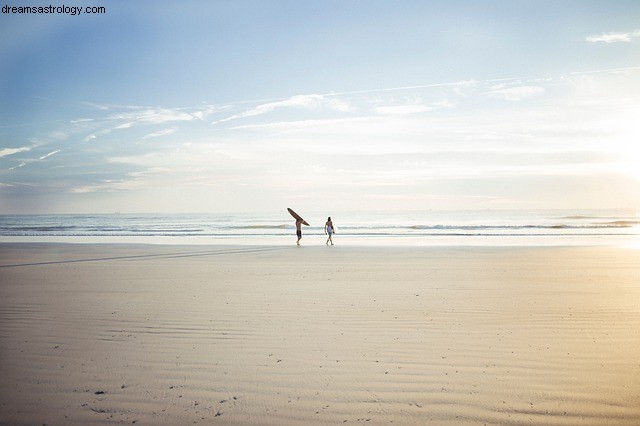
(257, 105)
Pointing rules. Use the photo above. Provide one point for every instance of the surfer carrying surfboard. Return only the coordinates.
(299, 222)
(299, 230)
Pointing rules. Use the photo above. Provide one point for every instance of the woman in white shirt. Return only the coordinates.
(329, 230)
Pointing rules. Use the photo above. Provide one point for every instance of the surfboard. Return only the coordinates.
(296, 216)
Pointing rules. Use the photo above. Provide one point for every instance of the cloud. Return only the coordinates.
(18, 166)
(299, 101)
(613, 37)
(159, 133)
(346, 102)
(125, 117)
(106, 187)
(413, 108)
(377, 139)
(336, 101)
(49, 154)
(10, 151)
(307, 124)
(402, 109)
(120, 117)
(205, 111)
(151, 116)
(59, 134)
(516, 93)
(455, 85)
(94, 136)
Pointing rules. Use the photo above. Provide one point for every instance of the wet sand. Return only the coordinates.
(152, 334)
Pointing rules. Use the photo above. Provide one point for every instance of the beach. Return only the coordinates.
(286, 335)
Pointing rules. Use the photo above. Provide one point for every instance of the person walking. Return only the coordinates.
(329, 230)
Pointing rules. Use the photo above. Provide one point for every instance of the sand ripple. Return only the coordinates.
(314, 337)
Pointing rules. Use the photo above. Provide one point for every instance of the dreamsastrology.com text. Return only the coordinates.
(51, 9)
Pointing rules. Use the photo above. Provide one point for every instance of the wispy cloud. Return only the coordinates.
(306, 124)
(160, 133)
(151, 116)
(516, 93)
(348, 102)
(385, 138)
(22, 164)
(81, 120)
(614, 37)
(402, 109)
(10, 151)
(313, 101)
(59, 134)
(413, 108)
(95, 135)
(105, 186)
(206, 110)
(455, 85)
(124, 117)
(49, 154)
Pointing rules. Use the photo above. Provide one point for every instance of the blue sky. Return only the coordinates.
(222, 106)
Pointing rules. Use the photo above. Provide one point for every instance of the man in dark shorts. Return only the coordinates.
(299, 230)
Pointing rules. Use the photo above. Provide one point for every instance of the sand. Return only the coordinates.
(168, 335)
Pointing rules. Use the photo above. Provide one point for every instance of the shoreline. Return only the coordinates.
(618, 240)
(176, 334)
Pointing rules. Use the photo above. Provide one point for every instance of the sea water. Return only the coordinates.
(435, 227)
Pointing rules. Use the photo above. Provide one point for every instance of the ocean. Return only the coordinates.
(436, 227)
